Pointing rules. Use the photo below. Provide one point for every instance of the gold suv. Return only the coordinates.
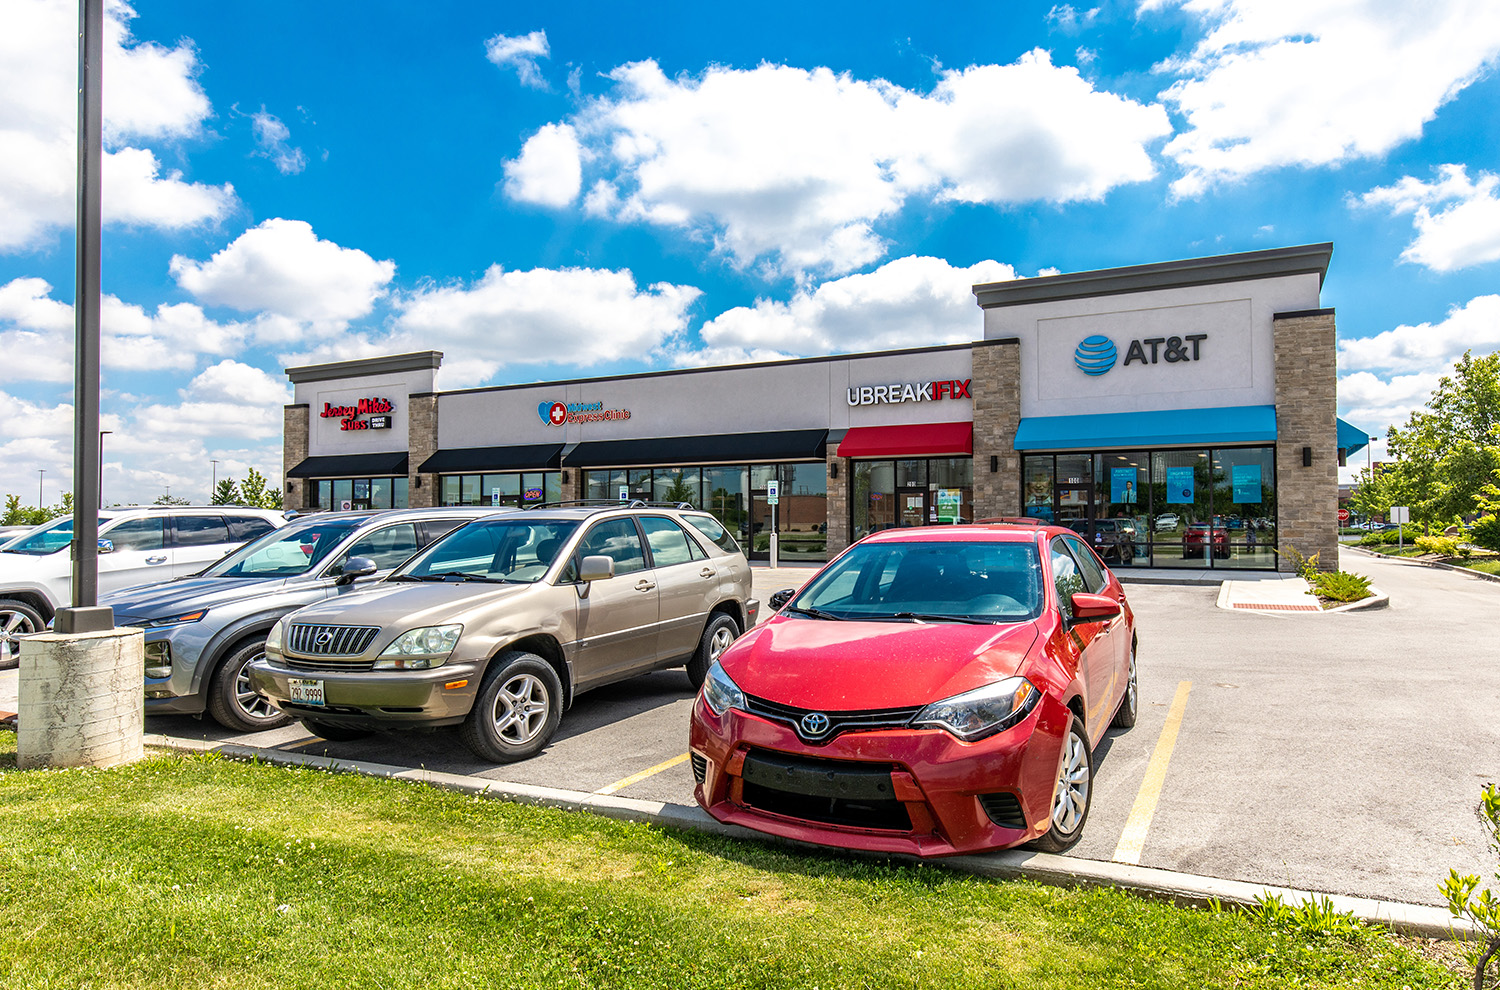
(499, 625)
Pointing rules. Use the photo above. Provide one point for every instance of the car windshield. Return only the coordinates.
(285, 552)
(510, 550)
(928, 581)
(49, 539)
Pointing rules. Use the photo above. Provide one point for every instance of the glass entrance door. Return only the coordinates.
(1075, 507)
(911, 507)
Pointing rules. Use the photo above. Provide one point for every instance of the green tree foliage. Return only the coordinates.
(17, 514)
(227, 493)
(1448, 454)
(1483, 908)
(167, 498)
(253, 491)
(680, 491)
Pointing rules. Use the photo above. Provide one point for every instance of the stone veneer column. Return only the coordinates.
(996, 390)
(838, 501)
(421, 443)
(1306, 406)
(294, 428)
(573, 483)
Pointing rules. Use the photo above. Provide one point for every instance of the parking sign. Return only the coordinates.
(773, 492)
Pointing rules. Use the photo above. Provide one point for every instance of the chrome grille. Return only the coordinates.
(296, 663)
(330, 641)
(867, 720)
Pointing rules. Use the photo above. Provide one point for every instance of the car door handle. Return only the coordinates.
(644, 585)
(156, 560)
(707, 572)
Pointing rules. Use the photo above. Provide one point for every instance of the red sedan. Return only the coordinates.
(931, 691)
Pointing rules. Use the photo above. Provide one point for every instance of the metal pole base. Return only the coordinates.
(84, 619)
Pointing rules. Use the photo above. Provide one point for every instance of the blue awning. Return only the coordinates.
(1351, 437)
(1158, 428)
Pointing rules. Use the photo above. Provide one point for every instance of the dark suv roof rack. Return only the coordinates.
(606, 503)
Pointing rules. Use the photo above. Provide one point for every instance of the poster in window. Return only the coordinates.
(1180, 486)
(1246, 478)
(1122, 486)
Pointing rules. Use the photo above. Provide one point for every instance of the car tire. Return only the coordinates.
(1130, 700)
(517, 710)
(1074, 787)
(232, 702)
(16, 619)
(721, 631)
(333, 733)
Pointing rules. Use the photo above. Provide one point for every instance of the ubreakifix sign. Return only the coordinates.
(869, 395)
(563, 413)
(349, 417)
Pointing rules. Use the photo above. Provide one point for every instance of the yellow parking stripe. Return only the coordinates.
(636, 778)
(299, 743)
(1134, 836)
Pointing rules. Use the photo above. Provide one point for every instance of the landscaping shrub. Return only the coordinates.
(1486, 533)
(1441, 546)
(1342, 586)
(1389, 537)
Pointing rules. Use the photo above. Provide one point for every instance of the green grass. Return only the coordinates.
(197, 872)
(1488, 564)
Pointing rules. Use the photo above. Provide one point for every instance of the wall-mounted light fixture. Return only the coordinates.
(1307, 457)
(833, 469)
(1343, 456)
(416, 481)
(563, 476)
(994, 463)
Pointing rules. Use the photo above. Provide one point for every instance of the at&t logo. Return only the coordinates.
(1095, 355)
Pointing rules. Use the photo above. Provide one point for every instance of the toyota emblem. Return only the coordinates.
(815, 723)
(324, 640)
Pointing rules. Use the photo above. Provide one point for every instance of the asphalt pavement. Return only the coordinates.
(1333, 752)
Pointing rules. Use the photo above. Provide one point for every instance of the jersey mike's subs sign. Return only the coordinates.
(367, 414)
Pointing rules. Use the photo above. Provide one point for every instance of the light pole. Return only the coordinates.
(213, 485)
(40, 473)
(101, 466)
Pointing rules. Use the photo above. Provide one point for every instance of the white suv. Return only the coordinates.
(137, 545)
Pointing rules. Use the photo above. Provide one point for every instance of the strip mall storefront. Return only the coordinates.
(1179, 414)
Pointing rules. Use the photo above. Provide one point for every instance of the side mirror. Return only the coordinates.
(106, 546)
(1093, 608)
(779, 598)
(355, 568)
(596, 568)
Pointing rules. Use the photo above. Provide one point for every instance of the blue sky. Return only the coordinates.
(543, 192)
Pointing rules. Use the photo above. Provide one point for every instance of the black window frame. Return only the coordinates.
(177, 540)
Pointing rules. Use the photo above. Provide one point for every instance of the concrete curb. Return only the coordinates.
(1377, 599)
(1468, 571)
(1010, 864)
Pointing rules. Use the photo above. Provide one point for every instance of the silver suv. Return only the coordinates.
(201, 631)
(137, 545)
(498, 626)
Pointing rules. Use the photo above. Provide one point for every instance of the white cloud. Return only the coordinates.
(152, 94)
(549, 170)
(798, 166)
(1317, 82)
(272, 139)
(520, 52)
(282, 268)
(578, 316)
(240, 383)
(1427, 346)
(1465, 229)
(1375, 403)
(1066, 18)
(910, 302)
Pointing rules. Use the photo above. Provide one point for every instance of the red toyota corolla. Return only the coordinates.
(931, 691)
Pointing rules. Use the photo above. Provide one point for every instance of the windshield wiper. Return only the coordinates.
(933, 617)
(815, 613)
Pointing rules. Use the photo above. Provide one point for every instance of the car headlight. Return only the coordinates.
(428, 646)
(720, 693)
(983, 711)
(175, 620)
(273, 638)
(158, 659)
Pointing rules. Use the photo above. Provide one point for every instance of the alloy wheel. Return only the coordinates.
(13, 625)
(521, 709)
(1130, 686)
(254, 706)
(1071, 800)
(716, 646)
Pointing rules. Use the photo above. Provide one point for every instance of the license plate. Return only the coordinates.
(305, 692)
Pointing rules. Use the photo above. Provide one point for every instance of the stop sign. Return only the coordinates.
(1343, 515)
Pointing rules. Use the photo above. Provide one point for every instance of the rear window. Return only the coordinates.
(717, 534)
(244, 528)
(197, 531)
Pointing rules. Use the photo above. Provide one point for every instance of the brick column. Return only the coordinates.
(572, 485)
(1307, 497)
(421, 443)
(838, 500)
(294, 427)
(996, 389)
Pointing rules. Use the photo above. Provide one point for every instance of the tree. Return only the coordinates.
(227, 493)
(167, 498)
(680, 491)
(253, 491)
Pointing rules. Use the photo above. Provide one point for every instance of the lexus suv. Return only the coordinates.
(202, 631)
(137, 545)
(498, 626)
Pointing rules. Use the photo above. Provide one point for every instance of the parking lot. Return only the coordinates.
(1341, 752)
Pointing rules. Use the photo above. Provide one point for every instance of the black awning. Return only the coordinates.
(534, 457)
(387, 465)
(721, 448)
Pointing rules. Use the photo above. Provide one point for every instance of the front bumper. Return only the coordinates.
(376, 699)
(936, 782)
(181, 691)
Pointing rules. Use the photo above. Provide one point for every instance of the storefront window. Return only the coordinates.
(507, 489)
(1182, 510)
(380, 493)
(725, 490)
(950, 483)
(678, 485)
(1037, 486)
(1245, 505)
(1122, 507)
(873, 499)
(343, 491)
(361, 493)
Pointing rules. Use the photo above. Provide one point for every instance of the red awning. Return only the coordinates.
(916, 440)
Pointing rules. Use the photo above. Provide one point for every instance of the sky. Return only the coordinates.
(548, 191)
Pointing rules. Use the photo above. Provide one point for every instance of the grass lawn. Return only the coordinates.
(196, 872)
(1487, 563)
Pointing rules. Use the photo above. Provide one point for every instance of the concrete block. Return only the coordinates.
(80, 702)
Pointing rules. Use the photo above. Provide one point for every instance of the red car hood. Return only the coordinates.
(854, 666)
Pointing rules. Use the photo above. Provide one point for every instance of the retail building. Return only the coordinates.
(1181, 414)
